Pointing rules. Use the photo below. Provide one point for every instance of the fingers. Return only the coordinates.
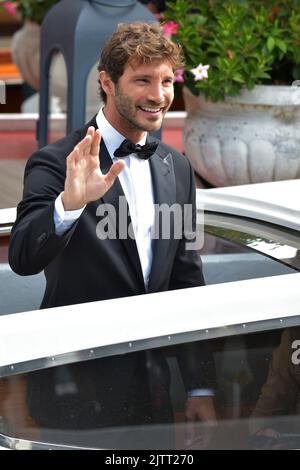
(72, 160)
(114, 171)
(95, 146)
(84, 146)
(89, 145)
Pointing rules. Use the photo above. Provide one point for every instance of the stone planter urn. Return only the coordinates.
(26, 52)
(250, 138)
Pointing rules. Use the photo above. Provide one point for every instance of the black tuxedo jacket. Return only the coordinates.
(79, 267)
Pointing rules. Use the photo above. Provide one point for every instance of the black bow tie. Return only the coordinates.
(142, 151)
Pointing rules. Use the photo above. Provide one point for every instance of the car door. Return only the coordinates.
(242, 322)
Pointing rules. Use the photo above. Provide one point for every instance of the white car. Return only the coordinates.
(248, 314)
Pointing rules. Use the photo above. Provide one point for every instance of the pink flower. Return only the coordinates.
(179, 75)
(10, 8)
(200, 72)
(170, 28)
(229, 53)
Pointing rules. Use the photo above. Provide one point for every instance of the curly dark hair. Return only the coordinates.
(141, 42)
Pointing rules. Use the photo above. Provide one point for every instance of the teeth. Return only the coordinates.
(151, 110)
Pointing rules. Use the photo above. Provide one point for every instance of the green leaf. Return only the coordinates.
(281, 45)
(270, 43)
(237, 77)
(263, 75)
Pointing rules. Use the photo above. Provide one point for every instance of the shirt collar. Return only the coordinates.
(112, 138)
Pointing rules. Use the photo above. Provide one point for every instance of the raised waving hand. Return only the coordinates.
(84, 180)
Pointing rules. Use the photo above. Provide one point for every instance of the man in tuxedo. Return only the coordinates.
(66, 186)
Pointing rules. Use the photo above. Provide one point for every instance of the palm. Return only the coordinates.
(88, 183)
(85, 182)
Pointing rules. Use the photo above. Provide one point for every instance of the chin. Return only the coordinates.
(153, 126)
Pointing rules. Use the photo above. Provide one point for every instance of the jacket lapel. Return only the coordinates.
(163, 176)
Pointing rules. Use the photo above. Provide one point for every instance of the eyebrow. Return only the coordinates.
(150, 76)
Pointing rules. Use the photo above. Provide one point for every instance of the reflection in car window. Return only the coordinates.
(255, 380)
(277, 242)
(232, 256)
(30, 289)
(114, 402)
(280, 392)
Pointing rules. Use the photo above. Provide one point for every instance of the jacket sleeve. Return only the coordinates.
(33, 242)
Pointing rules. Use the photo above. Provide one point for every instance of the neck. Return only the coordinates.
(132, 134)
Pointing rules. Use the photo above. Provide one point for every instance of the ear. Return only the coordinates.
(106, 83)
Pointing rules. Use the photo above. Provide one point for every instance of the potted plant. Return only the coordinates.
(26, 41)
(241, 58)
(33, 10)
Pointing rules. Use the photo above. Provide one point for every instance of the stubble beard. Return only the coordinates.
(126, 110)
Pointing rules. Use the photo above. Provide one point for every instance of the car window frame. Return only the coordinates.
(272, 234)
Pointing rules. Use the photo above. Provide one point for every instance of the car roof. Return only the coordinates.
(273, 202)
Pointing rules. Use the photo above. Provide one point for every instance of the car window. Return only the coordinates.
(277, 242)
(229, 255)
(18, 293)
(224, 258)
(254, 378)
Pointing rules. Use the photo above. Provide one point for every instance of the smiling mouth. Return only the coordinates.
(153, 111)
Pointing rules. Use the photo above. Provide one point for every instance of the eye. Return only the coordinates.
(142, 80)
(168, 81)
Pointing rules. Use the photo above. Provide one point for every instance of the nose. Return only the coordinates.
(156, 93)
